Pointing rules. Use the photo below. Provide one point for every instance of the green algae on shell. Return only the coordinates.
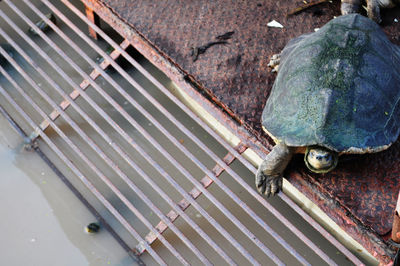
(337, 88)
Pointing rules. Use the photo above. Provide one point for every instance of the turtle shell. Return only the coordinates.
(338, 88)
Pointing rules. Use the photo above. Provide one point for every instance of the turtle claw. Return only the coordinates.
(268, 185)
(274, 62)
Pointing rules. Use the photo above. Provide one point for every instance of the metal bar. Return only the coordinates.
(83, 114)
(195, 193)
(190, 135)
(72, 145)
(76, 171)
(321, 230)
(266, 227)
(126, 179)
(134, 254)
(75, 93)
(94, 18)
(187, 153)
(135, 167)
(134, 123)
(343, 249)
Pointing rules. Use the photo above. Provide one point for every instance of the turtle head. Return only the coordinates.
(320, 160)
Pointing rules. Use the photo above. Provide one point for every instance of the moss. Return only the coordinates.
(320, 73)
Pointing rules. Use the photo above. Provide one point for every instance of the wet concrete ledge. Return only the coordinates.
(360, 195)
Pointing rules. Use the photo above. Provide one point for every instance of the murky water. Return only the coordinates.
(42, 221)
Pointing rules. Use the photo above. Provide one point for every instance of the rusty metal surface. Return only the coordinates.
(123, 172)
(396, 228)
(360, 194)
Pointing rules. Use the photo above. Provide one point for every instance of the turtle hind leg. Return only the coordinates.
(350, 6)
(274, 62)
(269, 174)
(374, 8)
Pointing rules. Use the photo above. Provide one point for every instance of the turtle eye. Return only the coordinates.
(312, 154)
(328, 157)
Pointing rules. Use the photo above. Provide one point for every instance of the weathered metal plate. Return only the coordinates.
(361, 193)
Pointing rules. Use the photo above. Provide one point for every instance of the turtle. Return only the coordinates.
(373, 7)
(337, 92)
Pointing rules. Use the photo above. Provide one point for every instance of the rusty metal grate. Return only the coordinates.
(168, 187)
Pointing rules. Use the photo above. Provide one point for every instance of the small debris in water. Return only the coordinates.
(396, 20)
(42, 25)
(29, 144)
(33, 240)
(92, 228)
(274, 24)
(316, 29)
(181, 141)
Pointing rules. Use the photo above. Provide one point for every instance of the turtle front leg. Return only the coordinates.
(269, 174)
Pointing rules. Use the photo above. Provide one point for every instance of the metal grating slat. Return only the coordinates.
(152, 140)
(117, 192)
(75, 94)
(130, 140)
(176, 142)
(79, 174)
(195, 193)
(121, 169)
(133, 254)
(241, 158)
